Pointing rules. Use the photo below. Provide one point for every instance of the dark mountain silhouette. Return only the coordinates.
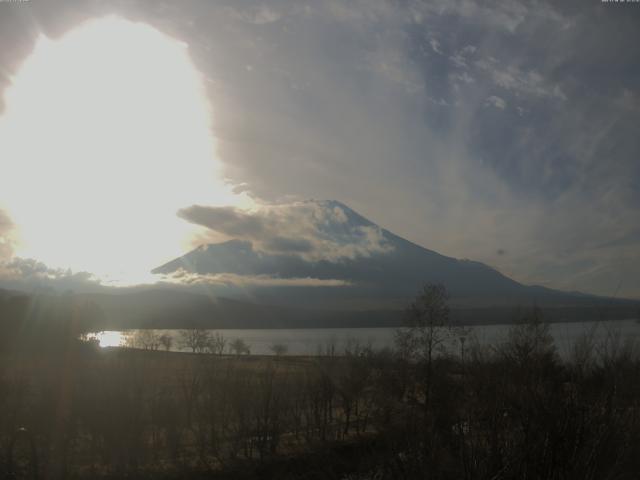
(386, 279)
(167, 308)
(49, 319)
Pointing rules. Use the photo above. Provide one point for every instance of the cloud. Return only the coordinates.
(460, 58)
(496, 102)
(288, 245)
(6, 236)
(435, 46)
(257, 15)
(227, 220)
(29, 274)
(494, 14)
(463, 77)
(396, 69)
(183, 277)
(521, 83)
(312, 230)
(629, 100)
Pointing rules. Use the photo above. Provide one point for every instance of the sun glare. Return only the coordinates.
(109, 338)
(105, 135)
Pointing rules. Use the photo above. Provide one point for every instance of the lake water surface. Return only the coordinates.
(312, 341)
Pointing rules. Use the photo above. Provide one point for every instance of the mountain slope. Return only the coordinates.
(382, 278)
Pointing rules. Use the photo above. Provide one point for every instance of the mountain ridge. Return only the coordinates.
(393, 276)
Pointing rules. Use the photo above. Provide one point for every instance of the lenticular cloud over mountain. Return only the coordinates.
(313, 230)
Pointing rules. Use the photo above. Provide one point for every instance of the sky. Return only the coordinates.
(503, 132)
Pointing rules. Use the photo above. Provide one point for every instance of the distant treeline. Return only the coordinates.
(505, 315)
(373, 318)
(166, 309)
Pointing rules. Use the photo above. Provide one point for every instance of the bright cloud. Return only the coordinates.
(312, 230)
(182, 277)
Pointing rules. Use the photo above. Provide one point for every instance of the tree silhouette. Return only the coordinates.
(166, 341)
(279, 349)
(239, 346)
(197, 339)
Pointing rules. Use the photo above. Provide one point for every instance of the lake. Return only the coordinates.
(314, 340)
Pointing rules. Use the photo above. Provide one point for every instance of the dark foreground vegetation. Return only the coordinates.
(513, 411)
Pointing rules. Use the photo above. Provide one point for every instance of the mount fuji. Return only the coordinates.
(373, 268)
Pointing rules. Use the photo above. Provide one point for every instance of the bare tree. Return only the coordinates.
(530, 340)
(166, 341)
(196, 339)
(148, 339)
(217, 344)
(327, 348)
(239, 347)
(427, 329)
(279, 349)
(427, 324)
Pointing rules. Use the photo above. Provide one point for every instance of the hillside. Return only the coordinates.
(382, 279)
